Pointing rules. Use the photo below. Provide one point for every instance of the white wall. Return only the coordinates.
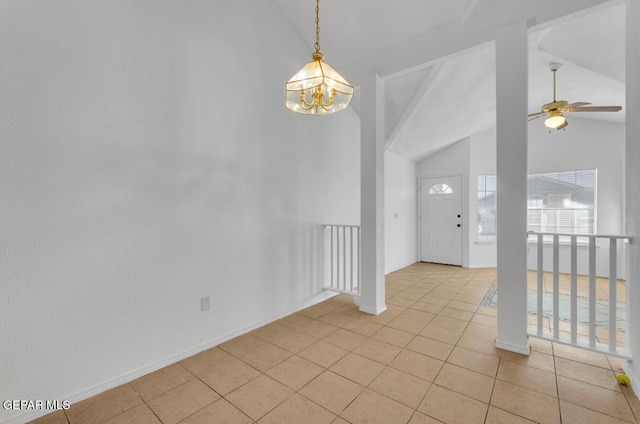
(585, 144)
(400, 231)
(454, 160)
(147, 160)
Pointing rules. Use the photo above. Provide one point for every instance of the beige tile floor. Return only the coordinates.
(430, 358)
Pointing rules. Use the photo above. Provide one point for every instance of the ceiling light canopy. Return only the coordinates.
(317, 89)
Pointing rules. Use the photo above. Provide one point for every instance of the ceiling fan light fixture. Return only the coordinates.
(553, 110)
(317, 89)
(555, 120)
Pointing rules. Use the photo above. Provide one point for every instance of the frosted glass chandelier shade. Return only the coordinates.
(317, 89)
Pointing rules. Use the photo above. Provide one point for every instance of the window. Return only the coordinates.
(557, 202)
(486, 207)
(562, 202)
(440, 189)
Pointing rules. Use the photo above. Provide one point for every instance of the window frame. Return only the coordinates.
(591, 216)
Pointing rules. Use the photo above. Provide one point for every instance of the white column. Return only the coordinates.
(511, 85)
(632, 191)
(372, 194)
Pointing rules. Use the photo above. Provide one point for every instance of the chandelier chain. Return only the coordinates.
(317, 45)
(317, 89)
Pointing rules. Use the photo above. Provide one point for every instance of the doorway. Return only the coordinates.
(441, 220)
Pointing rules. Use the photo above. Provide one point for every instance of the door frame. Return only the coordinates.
(465, 214)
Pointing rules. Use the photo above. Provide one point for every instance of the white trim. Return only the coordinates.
(635, 383)
(401, 267)
(373, 311)
(523, 350)
(132, 375)
(564, 243)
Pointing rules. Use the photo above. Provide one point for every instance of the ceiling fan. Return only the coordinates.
(555, 109)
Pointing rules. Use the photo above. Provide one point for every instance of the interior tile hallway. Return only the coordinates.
(430, 358)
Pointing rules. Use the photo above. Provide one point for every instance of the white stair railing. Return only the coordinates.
(590, 343)
(342, 258)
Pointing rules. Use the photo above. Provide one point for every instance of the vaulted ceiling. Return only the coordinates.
(437, 59)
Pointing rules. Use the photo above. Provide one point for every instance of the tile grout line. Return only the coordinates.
(555, 373)
(364, 387)
(493, 387)
(145, 402)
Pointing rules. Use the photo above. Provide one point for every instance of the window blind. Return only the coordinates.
(557, 202)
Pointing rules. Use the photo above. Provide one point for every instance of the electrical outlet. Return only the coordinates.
(205, 303)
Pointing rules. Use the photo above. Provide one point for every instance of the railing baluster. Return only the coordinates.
(359, 257)
(613, 297)
(333, 283)
(337, 247)
(592, 291)
(556, 287)
(343, 258)
(351, 258)
(592, 344)
(574, 289)
(540, 292)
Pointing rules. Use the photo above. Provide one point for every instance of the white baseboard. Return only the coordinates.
(482, 266)
(130, 376)
(635, 382)
(523, 350)
(394, 269)
(373, 310)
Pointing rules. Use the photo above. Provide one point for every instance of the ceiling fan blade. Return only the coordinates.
(531, 115)
(563, 125)
(595, 109)
(577, 104)
(534, 116)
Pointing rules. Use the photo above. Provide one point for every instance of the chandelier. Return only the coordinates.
(317, 89)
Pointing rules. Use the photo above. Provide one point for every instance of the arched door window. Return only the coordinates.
(440, 189)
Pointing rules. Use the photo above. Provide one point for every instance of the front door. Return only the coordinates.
(441, 220)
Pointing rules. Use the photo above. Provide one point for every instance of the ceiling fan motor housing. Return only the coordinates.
(554, 106)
